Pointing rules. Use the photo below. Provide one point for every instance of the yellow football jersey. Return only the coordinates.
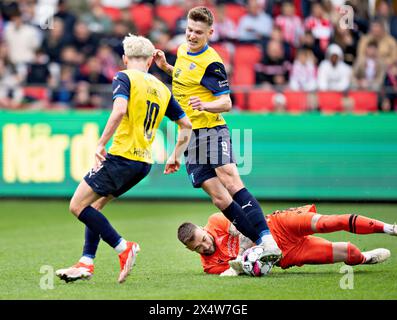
(201, 74)
(148, 101)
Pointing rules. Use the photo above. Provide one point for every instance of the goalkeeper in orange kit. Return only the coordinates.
(221, 245)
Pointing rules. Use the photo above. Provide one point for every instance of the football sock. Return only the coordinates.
(121, 246)
(354, 255)
(389, 229)
(349, 222)
(86, 260)
(98, 223)
(266, 237)
(236, 215)
(91, 243)
(252, 210)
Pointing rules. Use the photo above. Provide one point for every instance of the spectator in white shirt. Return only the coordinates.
(303, 74)
(255, 25)
(22, 40)
(224, 28)
(333, 73)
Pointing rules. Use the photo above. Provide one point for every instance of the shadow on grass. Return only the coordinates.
(287, 274)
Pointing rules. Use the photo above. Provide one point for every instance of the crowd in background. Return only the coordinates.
(72, 49)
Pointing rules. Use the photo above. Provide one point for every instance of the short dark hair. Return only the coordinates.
(202, 14)
(186, 232)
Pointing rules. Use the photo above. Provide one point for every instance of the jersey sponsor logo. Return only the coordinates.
(192, 66)
(223, 83)
(142, 153)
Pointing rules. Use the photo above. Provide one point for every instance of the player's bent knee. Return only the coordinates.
(74, 208)
(233, 187)
(220, 203)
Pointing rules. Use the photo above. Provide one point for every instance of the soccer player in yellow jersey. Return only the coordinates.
(140, 101)
(200, 85)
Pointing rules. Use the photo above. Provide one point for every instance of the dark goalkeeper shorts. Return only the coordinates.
(209, 148)
(117, 175)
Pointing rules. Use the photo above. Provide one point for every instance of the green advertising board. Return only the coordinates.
(308, 157)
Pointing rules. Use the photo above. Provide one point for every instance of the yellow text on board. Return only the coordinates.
(33, 154)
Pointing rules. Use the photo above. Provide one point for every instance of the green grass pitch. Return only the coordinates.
(42, 233)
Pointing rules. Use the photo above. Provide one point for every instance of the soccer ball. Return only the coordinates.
(252, 263)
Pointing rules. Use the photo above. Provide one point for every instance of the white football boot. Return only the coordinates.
(80, 271)
(376, 256)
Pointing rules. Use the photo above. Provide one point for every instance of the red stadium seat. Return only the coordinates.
(113, 13)
(296, 101)
(170, 14)
(240, 100)
(243, 75)
(235, 11)
(247, 54)
(260, 100)
(223, 51)
(142, 16)
(245, 58)
(330, 102)
(364, 101)
(36, 93)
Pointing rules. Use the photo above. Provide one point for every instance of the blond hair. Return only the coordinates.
(137, 47)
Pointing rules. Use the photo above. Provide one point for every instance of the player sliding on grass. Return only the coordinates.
(140, 103)
(221, 245)
(200, 84)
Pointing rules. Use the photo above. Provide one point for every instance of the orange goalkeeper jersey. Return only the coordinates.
(289, 228)
(226, 245)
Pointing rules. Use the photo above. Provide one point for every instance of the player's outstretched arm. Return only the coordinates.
(119, 110)
(245, 243)
(222, 104)
(161, 62)
(185, 130)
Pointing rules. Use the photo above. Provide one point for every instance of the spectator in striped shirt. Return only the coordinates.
(319, 25)
(290, 24)
(304, 72)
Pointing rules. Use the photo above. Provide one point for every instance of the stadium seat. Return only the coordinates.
(296, 101)
(243, 76)
(245, 58)
(142, 15)
(235, 11)
(330, 101)
(364, 101)
(36, 93)
(260, 100)
(223, 51)
(170, 14)
(239, 100)
(113, 13)
(248, 54)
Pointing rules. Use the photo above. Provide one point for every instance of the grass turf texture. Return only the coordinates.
(37, 233)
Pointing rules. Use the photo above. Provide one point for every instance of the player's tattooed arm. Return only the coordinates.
(245, 242)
